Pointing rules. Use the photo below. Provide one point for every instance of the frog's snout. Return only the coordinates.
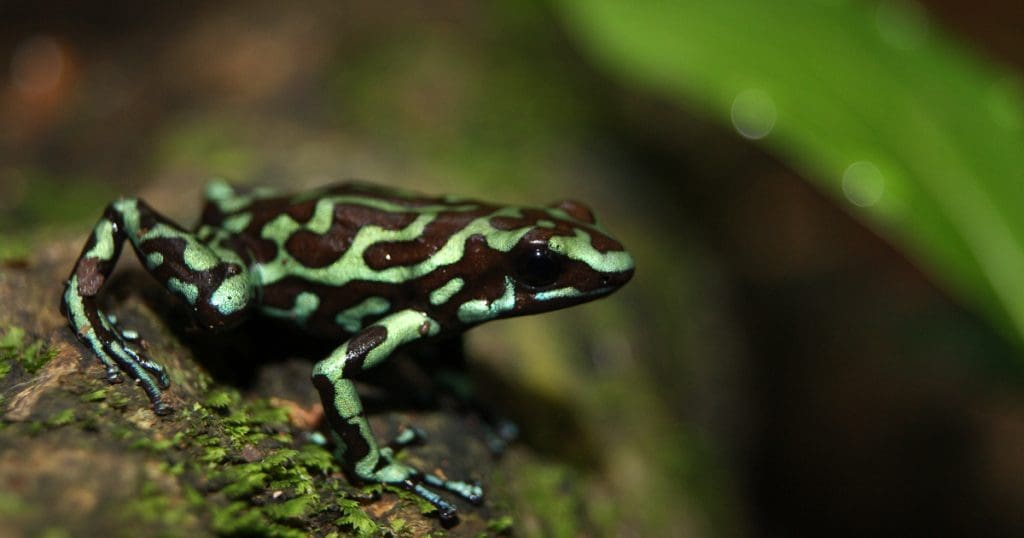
(614, 279)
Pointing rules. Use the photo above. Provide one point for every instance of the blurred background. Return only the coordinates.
(825, 199)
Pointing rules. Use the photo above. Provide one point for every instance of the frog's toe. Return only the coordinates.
(507, 430)
(162, 409)
(126, 335)
(500, 433)
(473, 493)
(120, 357)
(162, 380)
(139, 357)
(114, 375)
(410, 435)
(420, 483)
(407, 436)
(446, 511)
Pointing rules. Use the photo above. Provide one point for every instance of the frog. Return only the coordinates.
(371, 267)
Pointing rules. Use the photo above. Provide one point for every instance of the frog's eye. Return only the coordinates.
(537, 267)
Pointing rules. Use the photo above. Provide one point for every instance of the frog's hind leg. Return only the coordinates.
(215, 287)
(356, 443)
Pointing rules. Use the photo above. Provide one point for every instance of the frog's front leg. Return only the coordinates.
(357, 446)
(216, 288)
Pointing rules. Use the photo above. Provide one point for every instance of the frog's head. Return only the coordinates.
(540, 259)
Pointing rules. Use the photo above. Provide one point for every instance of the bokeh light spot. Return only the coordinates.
(863, 184)
(753, 113)
(38, 66)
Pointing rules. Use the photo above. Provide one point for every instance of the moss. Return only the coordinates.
(193, 497)
(500, 525)
(55, 532)
(14, 348)
(420, 503)
(221, 399)
(245, 480)
(156, 505)
(553, 497)
(292, 509)
(10, 344)
(240, 519)
(155, 444)
(118, 400)
(176, 469)
(35, 356)
(234, 465)
(354, 518)
(214, 454)
(94, 396)
(5, 364)
(11, 505)
(15, 247)
(245, 455)
(61, 418)
(398, 527)
(317, 458)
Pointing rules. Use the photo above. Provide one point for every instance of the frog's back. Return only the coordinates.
(313, 265)
(315, 228)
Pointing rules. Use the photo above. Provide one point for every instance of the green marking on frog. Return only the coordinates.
(104, 247)
(352, 266)
(350, 319)
(456, 263)
(75, 305)
(560, 293)
(237, 223)
(305, 305)
(480, 310)
(229, 200)
(445, 292)
(234, 294)
(580, 248)
(154, 259)
(187, 290)
(198, 257)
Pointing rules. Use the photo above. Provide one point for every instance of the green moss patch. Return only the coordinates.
(254, 478)
(15, 347)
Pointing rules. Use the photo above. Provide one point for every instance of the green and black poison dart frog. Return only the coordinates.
(370, 267)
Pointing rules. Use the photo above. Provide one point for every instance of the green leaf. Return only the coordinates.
(869, 100)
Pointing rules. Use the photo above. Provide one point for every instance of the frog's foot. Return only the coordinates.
(500, 433)
(417, 482)
(407, 436)
(120, 352)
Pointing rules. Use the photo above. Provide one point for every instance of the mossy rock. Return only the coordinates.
(239, 456)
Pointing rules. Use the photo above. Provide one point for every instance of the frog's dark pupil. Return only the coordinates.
(537, 267)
